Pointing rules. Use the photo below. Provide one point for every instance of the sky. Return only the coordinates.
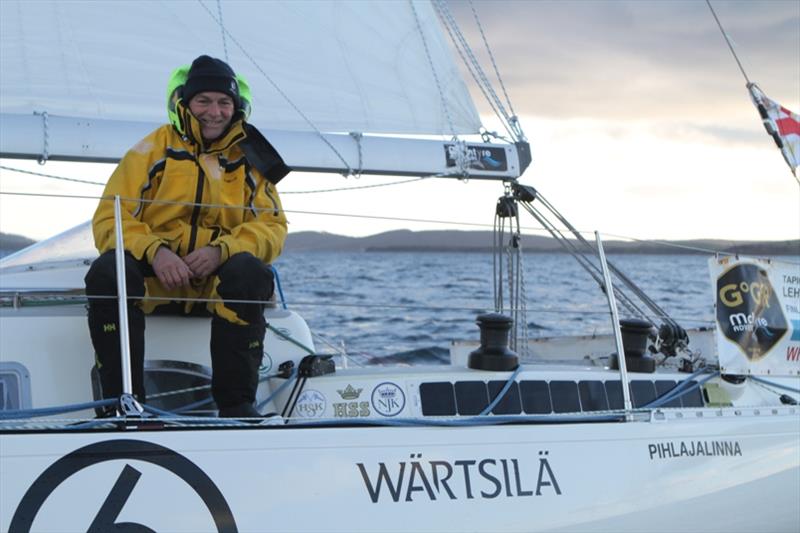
(637, 114)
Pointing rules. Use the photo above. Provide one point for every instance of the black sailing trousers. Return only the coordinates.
(236, 350)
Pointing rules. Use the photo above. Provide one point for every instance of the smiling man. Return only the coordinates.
(201, 221)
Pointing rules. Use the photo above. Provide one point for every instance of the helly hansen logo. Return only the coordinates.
(109, 328)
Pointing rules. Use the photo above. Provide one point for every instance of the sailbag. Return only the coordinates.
(781, 124)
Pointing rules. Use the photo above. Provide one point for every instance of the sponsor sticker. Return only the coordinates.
(428, 480)
(388, 399)
(349, 393)
(480, 157)
(748, 310)
(311, 404)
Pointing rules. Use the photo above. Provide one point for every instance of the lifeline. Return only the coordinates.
(673, 450)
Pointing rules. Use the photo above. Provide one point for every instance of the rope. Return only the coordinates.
(356, 136)
(773, 384)
(46, 141)
(278, 89)
(14, 414)
(291, 339)
(681, 388)
(500, 395)
(727, 40)
(278, 285)
(285, 384)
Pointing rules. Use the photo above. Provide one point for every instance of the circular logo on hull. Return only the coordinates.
(388, 399)
(311, 404)
(113, 450)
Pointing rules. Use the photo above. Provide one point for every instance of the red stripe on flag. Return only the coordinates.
(788, 126)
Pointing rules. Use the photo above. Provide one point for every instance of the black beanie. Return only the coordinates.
(210, 74)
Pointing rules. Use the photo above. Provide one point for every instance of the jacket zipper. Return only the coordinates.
(198, 197)
(274, 203)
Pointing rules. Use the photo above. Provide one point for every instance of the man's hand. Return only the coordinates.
(170, 269)
(204, 261)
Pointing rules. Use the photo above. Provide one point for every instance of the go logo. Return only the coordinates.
(734, 294)
(748, 311)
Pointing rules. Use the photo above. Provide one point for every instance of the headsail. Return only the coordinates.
(781, 124)
(86, 80)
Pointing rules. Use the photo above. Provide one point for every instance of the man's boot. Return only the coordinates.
(236, 353)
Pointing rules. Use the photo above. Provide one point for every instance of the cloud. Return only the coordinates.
(654, 60)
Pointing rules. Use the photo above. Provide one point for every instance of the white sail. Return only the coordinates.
(347, 65)
(99, 71)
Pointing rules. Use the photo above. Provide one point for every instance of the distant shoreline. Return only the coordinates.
(452, 241)
(481, 241)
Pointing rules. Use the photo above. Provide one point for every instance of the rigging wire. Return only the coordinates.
(222, 31)
(754, 91)
(710, 251)
(479, 75)
(473, 66)
(727, 40)
(514, 120)
(278, 89)
(32, 300)
(282, 193)
(445, 107)
(50, 176)
(472, 73)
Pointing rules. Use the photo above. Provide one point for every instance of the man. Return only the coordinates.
(180, 240)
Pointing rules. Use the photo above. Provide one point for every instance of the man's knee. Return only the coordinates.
(244, 276)
(101, 279)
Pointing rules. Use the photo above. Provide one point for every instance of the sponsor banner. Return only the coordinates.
(758, 315)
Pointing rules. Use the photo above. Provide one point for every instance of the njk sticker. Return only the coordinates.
(388, 399)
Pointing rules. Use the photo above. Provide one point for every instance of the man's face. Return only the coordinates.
(214, 111)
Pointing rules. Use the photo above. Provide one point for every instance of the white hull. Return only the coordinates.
(346, 460)
(734, 467)
(571, 477)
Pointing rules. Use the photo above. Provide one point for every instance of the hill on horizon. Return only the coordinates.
(482, 241)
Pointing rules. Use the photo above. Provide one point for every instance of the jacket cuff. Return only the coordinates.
(224, 251)
(152, 248)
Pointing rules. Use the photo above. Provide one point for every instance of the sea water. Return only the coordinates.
(409, 306)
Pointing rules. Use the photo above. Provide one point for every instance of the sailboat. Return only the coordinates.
(555, 441)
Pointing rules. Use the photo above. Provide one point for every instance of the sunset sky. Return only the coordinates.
(637, 115)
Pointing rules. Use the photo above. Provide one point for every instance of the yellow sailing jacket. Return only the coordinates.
(164, 167)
